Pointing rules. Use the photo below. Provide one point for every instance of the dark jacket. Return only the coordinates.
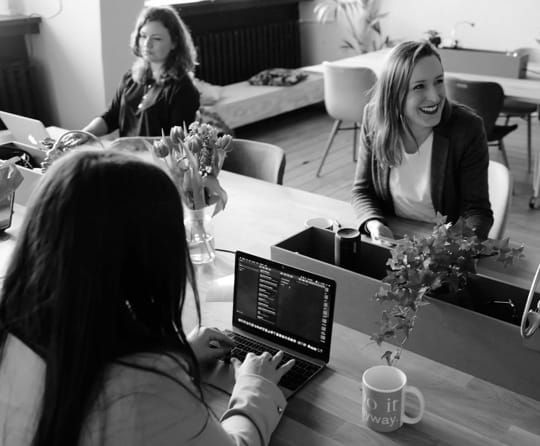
(167, 105)
(459, 173)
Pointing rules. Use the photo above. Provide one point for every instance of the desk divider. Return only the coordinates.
(472, 342)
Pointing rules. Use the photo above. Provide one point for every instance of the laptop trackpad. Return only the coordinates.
(221, 376)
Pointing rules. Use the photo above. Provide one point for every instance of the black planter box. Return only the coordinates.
(461, 337)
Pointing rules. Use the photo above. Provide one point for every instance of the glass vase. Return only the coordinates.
(200, 234)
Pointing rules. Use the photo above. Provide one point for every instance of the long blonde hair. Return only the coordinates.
(386, 120)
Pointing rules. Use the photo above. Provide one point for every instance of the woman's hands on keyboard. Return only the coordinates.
(264, 365)
(209, 344)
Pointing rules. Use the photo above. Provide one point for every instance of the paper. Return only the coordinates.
(221, 290)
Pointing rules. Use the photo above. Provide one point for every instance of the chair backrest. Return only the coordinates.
(500, 194)
(256, 159)
(347, 90)
(533, 53)
(485, 98)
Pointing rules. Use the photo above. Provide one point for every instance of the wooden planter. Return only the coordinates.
(481, 345)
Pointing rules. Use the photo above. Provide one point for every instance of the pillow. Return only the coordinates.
(282, 77)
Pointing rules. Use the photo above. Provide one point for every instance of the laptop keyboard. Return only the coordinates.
(293, 379)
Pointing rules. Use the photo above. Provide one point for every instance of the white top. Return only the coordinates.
(139, 408)
(410, 184)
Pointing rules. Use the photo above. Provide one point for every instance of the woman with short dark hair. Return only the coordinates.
(93, 350)
(419, 153)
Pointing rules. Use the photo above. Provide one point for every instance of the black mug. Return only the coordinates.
(347, 248)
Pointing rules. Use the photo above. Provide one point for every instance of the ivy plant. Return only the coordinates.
(420, 265)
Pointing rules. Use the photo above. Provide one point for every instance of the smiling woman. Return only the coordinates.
(419, 154)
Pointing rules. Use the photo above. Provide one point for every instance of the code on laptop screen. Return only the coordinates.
(283, 304)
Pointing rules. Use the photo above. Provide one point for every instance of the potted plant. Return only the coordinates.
(362, 20)
(444, 260)
(434, 37)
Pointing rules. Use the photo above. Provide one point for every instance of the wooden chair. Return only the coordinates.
(256, 159)
(486, 99)
(514, 108)
(500, 194)
(346, 92)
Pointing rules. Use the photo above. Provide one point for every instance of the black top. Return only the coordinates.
(144, 110)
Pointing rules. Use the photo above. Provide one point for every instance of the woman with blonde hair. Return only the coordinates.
(420, 154)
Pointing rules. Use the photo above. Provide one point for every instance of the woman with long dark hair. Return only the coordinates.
(93, 351)
(419, 153)
(157, 93)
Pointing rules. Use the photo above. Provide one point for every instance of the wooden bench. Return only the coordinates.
(242, 103)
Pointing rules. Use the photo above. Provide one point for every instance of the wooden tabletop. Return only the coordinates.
(460, 408)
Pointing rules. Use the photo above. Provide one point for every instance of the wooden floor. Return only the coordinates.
(303, 135)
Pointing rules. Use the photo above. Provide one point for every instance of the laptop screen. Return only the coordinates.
(284, 305)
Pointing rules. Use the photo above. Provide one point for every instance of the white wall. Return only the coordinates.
(81, 52)
(499, 25)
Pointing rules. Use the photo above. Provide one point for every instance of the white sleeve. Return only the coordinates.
(164, 413)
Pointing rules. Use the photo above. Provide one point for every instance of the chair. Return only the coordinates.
(346, 92)
(256, 159)
(486, 99)
(514, 108)
(500, 194)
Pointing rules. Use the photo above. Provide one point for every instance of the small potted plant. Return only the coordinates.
(361, 19)
(434, 37)
(444, 260)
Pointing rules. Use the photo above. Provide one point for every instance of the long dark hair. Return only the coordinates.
(387, 123)
(99, 272)
(182, 58)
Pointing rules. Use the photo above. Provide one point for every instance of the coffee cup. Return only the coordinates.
(320, 222)
(384, 393)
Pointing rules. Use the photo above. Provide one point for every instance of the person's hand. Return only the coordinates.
(209, 344)
(75, 139)
(379, 231)
(264, 365)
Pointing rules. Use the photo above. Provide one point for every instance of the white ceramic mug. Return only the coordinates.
(384, 391)
(321, 222)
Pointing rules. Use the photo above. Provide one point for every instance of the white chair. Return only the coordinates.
(256, 159)
(346, 92)
(500, 194)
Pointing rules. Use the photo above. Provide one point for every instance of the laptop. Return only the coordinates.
(278, 307)
(24, 130)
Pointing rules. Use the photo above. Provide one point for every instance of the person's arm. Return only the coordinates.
(365, 204)
(473, 180)
(97, 127)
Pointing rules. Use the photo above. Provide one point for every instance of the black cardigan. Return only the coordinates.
(459, 173)
(167, 105)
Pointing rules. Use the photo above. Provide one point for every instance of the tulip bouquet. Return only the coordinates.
(194, 157)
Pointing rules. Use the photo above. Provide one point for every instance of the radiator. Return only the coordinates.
(235, 55)
(16, 88)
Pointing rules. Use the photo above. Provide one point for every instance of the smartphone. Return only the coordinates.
(6, 211)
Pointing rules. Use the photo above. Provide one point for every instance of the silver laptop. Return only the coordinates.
(278, 307)
(25, 130)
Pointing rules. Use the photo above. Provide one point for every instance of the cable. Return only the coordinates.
(226, 250)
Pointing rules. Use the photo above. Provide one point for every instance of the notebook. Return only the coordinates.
(278, 307)
(25, 130)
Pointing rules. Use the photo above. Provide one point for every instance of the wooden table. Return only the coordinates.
(460, 409)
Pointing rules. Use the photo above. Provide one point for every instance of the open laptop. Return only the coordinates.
(278, 307)
(24, 130)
